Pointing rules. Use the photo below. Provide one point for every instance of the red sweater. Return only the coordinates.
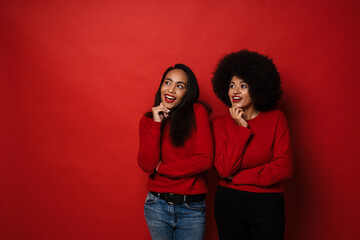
(258, 157)
(183, 169)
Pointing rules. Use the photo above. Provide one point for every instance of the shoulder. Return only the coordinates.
(199, 107)
(276, 117)
(144, 118)
(200, 110)
(201, 114)
(274, 114)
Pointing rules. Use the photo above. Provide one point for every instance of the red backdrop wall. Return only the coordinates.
(76, 76)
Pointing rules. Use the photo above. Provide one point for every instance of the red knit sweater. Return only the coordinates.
(183, 169)
(258, 157)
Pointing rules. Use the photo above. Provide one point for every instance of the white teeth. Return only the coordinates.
(237, 98)
(168, 97)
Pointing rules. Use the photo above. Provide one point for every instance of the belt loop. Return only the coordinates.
(184, 198)
(156, 194)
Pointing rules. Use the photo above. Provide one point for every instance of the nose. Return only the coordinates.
(237, 89)
(172, 88)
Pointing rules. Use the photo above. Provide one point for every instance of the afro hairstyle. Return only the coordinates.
(257, 70)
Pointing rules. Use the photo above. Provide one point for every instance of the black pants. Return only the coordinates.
(245, 215)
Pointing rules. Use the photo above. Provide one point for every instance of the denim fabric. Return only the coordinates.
(168, 221)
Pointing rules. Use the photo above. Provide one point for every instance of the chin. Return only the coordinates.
(237, 105)
(168, 105)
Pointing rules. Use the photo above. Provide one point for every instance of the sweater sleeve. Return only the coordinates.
(230, 144)
(149, 147)
(202, 159)
(278, 169)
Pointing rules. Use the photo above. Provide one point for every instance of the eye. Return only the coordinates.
(181, 86)
(232, 86)
(167, 82)
(243, 86)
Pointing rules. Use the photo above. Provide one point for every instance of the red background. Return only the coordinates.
(77, 75)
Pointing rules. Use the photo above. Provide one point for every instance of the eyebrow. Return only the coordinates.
(240, 82)
(176, 82)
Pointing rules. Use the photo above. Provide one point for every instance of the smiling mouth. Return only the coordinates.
(169, 98)
(236, 99)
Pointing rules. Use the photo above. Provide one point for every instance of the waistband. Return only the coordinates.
(178, 198)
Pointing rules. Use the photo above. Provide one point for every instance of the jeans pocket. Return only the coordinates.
(197, 206)
(150, 199)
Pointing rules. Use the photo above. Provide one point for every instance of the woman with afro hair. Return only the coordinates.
(253, 152)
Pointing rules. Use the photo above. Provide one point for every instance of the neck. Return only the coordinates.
(251, 113)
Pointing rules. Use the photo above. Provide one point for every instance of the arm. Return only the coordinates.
(278, 169)
(230, 144)
(149, 147)
(203, 156)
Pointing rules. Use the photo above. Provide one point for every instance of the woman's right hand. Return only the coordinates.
(238, 115)
(159, 112)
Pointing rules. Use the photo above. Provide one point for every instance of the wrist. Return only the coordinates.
(157, 120)
(242, 123)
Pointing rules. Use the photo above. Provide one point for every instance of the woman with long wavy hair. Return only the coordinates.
(176, 149)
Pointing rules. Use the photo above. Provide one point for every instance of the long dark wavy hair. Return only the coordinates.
(182, 118)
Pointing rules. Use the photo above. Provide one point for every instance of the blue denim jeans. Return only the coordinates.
(168, 221)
